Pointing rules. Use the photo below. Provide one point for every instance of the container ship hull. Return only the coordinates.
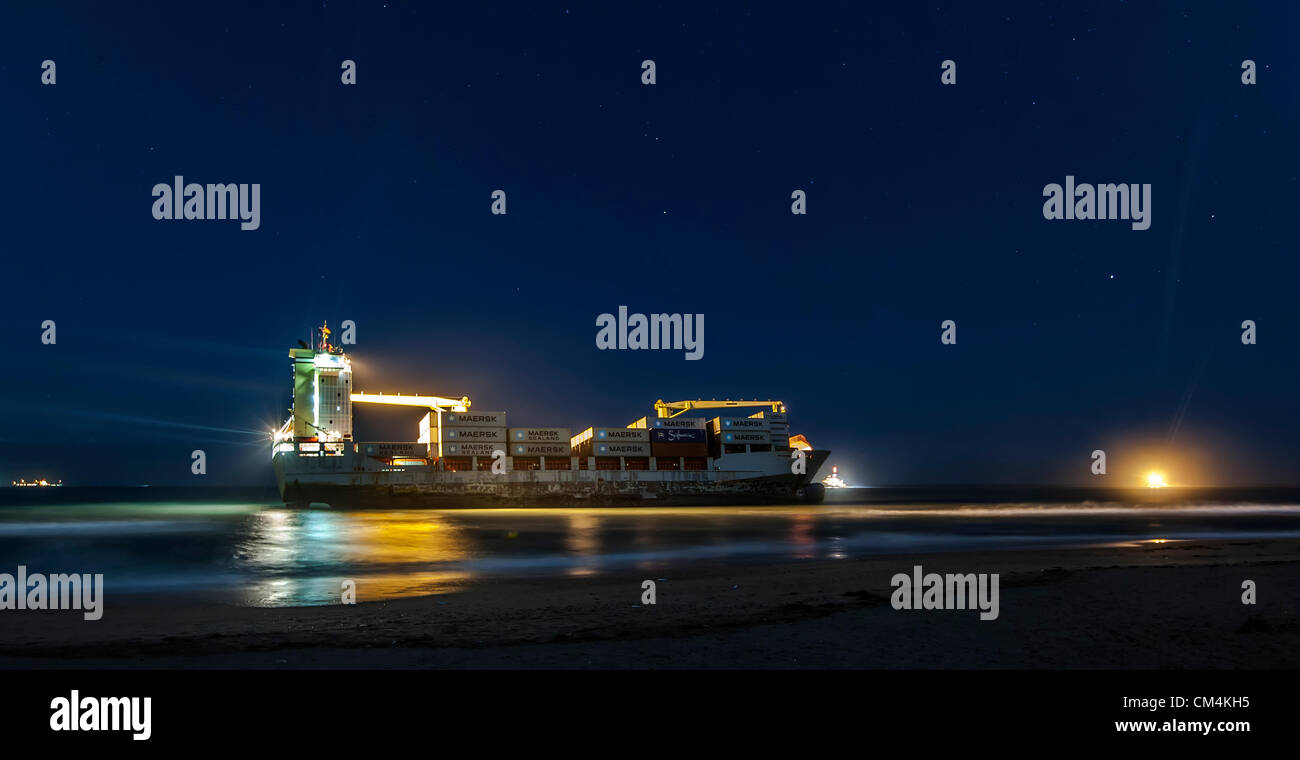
(740, 479)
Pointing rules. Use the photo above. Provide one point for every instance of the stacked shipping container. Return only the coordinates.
(611, 442)
(678, 437)
(530, 447)
(540, 442)
(734, 435)
(779, 425)
(469, 434)
(674, 442)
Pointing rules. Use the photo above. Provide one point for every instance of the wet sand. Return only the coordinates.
(1170, 605)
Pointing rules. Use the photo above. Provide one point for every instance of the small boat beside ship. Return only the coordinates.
(833, 480)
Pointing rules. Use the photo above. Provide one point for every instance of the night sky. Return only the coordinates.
(924, 204)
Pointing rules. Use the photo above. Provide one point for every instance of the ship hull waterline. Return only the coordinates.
(737, 485)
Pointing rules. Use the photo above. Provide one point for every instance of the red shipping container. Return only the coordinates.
(679, 449)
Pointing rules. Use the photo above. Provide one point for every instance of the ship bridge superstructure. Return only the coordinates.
(322, 392)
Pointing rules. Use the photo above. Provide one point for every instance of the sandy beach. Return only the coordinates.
(1153, 605)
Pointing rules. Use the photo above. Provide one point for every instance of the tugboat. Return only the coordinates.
(833, 480)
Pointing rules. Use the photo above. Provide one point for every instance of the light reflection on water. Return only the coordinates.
(282, 541)
(275, 556)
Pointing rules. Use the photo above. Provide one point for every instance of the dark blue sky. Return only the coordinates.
(924, 204)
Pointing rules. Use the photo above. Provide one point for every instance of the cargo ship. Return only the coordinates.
(464, 457)
(39, 483)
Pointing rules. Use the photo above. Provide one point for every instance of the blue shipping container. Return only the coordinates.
(678, 435)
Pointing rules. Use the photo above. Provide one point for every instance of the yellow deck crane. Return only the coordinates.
(443, 403)
(434, 404)
(665, 408)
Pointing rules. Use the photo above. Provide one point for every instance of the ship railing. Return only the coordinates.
(310, 448)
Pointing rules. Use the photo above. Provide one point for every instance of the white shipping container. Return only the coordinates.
(540, 435)
(738, 423)
(621, 435)
(472, 418)
(677, 423)
(473, 435)
(602, 434)
(620, 449)
(540, 449)
(469, 449)
(740, 436)
(771, 416)
(404, 449)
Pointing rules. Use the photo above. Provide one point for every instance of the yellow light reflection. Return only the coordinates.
(388, 555)
(583, 540)
(1156, 480)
